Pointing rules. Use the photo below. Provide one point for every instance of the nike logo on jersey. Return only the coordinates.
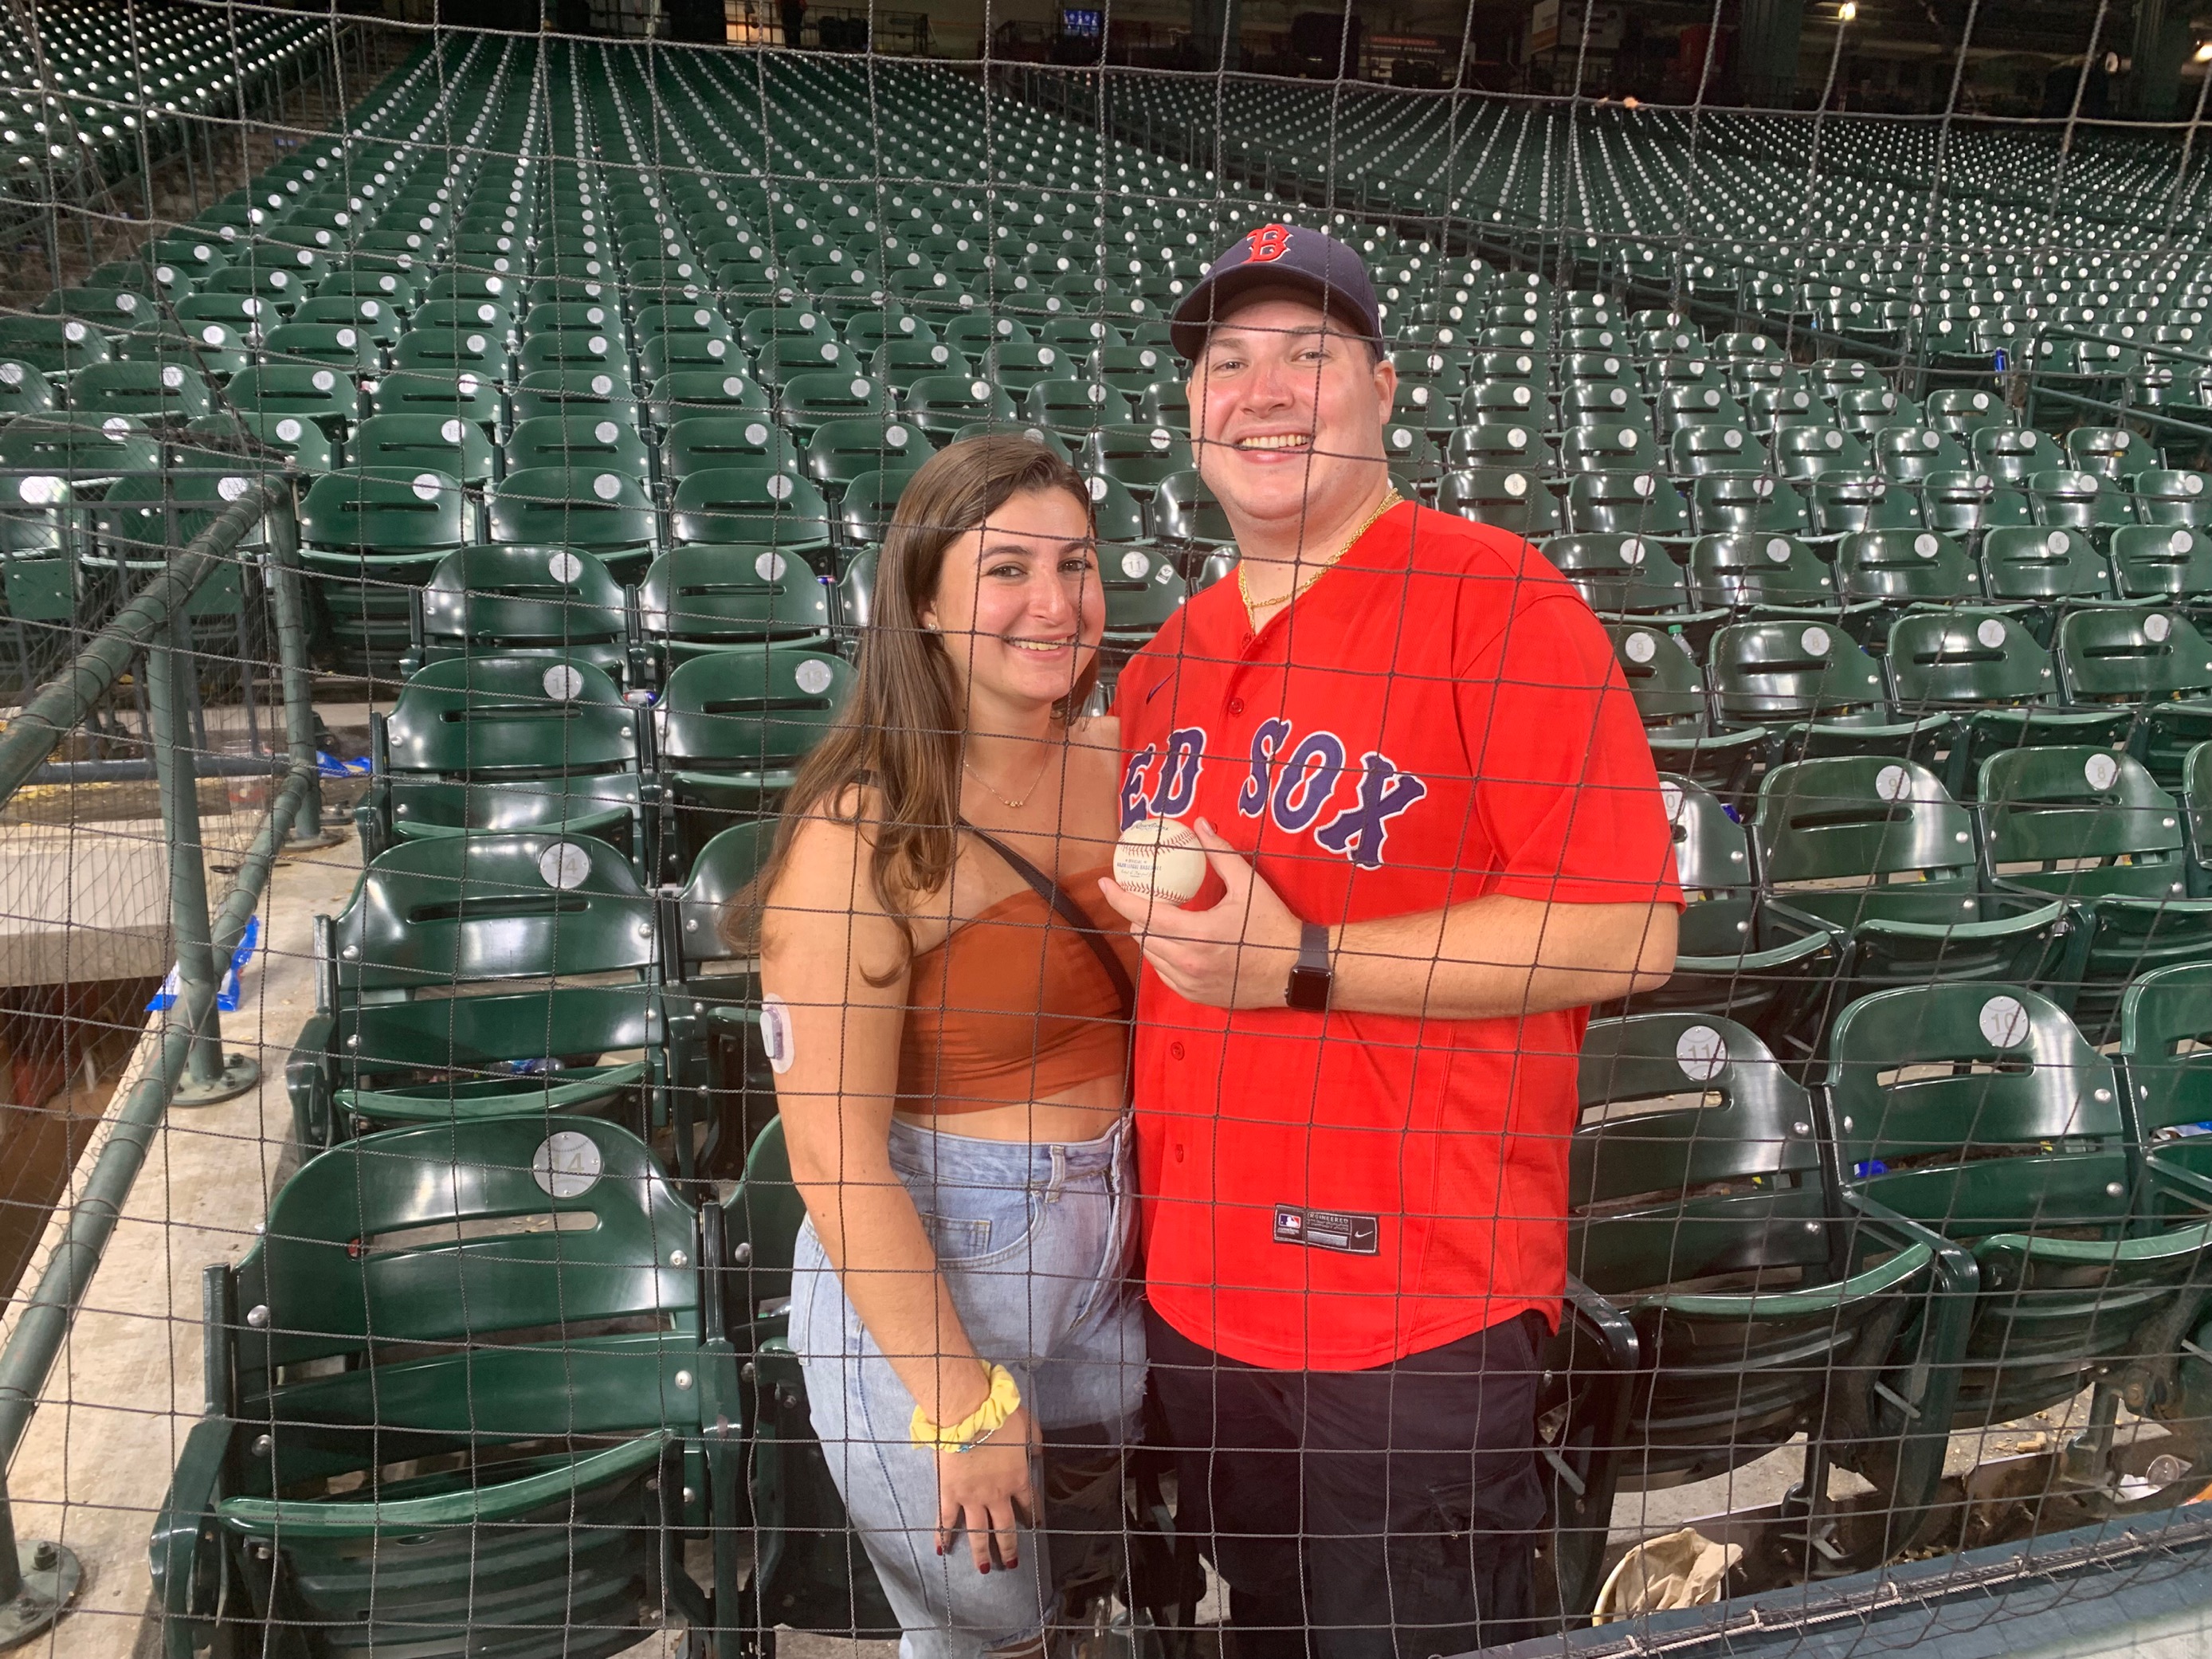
(1295, 783)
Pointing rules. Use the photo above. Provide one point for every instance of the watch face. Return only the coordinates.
(1309, 989)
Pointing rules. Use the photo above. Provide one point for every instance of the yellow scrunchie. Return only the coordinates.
(1005, 1400)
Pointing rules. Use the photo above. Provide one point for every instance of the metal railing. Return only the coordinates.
(147, 635)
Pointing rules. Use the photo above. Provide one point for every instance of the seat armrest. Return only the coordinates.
(307, 1074)
(185, 1548)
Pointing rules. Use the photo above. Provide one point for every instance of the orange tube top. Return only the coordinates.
(1014, 1007)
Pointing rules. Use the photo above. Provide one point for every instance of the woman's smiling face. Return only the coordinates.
(1018, 603)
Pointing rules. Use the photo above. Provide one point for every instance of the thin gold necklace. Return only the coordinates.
(1253, 607)
(1013, 805)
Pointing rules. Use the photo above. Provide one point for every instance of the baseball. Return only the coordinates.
(1160, 859)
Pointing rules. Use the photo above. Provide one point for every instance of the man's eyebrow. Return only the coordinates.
(1327, 330)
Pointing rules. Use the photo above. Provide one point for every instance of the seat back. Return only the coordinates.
(1750, 569)
(2021, 562)
(749, 710)
(1887, 826)
(2166, 1051)
(1904, 566)
(497, 596)
(716, 596)
(479, 717)
(1764, 672)
(1961, 659)
(2078, 821)
(2171, 561)
(2122, 653)
(601, 509)
(383, 510)
(474, 909)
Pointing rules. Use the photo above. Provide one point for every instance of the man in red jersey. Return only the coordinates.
(1405, 745)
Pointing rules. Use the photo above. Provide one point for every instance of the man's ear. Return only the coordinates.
(1386, 384)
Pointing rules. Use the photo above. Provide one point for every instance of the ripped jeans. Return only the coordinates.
(1034, 1240)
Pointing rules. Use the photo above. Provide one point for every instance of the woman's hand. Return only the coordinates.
(985, 1493)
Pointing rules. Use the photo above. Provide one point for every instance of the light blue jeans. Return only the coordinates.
(1035, 1240)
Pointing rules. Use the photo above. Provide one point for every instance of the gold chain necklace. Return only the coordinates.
(1253, 607)
(1014, 805)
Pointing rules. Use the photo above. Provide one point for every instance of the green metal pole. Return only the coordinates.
(308, 830)
(210, 1077)
(62, 704)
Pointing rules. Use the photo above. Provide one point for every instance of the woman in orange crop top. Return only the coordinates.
(946, 1006)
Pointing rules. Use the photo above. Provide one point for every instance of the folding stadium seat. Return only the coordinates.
(2147, 657)
(453, 351)
(1072, 406)
(840, 451)
(943, 403)
(697, 599)
(230, 442)
(752, 509)
(1907, 454)
(1960, 412)
(687, 392)
(1624, 576)
(23, 390)
(504, 743)
(1849, 504)
(1503, 400)
(344, 347)
(2093, 827)
(1867, 410)
(53, 345)
(1165, 402)
(1509, 498)
(450, 445)
(1777, 407)
(492, 600)
(1710, 450)
(1644, 504)
(1771, 1304)
(603, 511)
(2010, 453)
(1897, 570)
(327, 397)
(521, 1321)
(2082, 502)
(1136, 456)
(1143, 591)
(699, 443)
(1603, 447)
(1978, 1112)
(467, 396)
(1185, 514)
(1730, 505)
(494, 317)
(2049, 570)
(2169, 564)
(160, 391)
(1811, 684)
(1989, 672)
(734, 725)
(1756, 574)
(2163, 496)
(1670, 690)
(1879, 848)
(1809, 453)
(580, 442)
(576, 392)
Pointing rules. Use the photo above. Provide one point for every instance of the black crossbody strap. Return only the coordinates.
(1068, 911)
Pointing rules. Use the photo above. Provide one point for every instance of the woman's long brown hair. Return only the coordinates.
(897, 743)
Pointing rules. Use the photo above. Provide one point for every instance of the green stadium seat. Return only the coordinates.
(160, 391)
(1978, 1112)
(2147, 657)
(2093, 828)
(503, 743)
(577, 442)
(2167, 563)
(734, 725)
(1507, 497)
(446, 444)
(1879, 848)
(605, 511)
(1773, 1304)
(696, 599)
(494, 599)
(328, 397)
(1642, 504)
(541, 1381)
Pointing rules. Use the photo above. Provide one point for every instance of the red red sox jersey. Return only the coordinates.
(1437, 718)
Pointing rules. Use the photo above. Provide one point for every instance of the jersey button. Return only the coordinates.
(1178, 1152)
(1175, 1051)
(1236, 705)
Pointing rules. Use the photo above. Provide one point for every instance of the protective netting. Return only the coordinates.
(595, 373)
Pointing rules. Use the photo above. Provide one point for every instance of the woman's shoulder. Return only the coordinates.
(829, 850)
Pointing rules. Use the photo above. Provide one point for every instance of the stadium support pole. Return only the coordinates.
(308, 830)
(210, 1076)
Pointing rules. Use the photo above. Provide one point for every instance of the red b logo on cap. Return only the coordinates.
(1269, 242)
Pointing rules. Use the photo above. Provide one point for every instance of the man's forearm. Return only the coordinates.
(1501, 958)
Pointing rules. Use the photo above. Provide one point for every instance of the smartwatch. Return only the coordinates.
(1312, 976)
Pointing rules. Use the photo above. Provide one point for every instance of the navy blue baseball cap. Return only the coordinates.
(1280, 256)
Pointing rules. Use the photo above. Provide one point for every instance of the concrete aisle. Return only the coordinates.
(127, 1386)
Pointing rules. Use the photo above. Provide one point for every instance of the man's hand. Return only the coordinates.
(1238, 954)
